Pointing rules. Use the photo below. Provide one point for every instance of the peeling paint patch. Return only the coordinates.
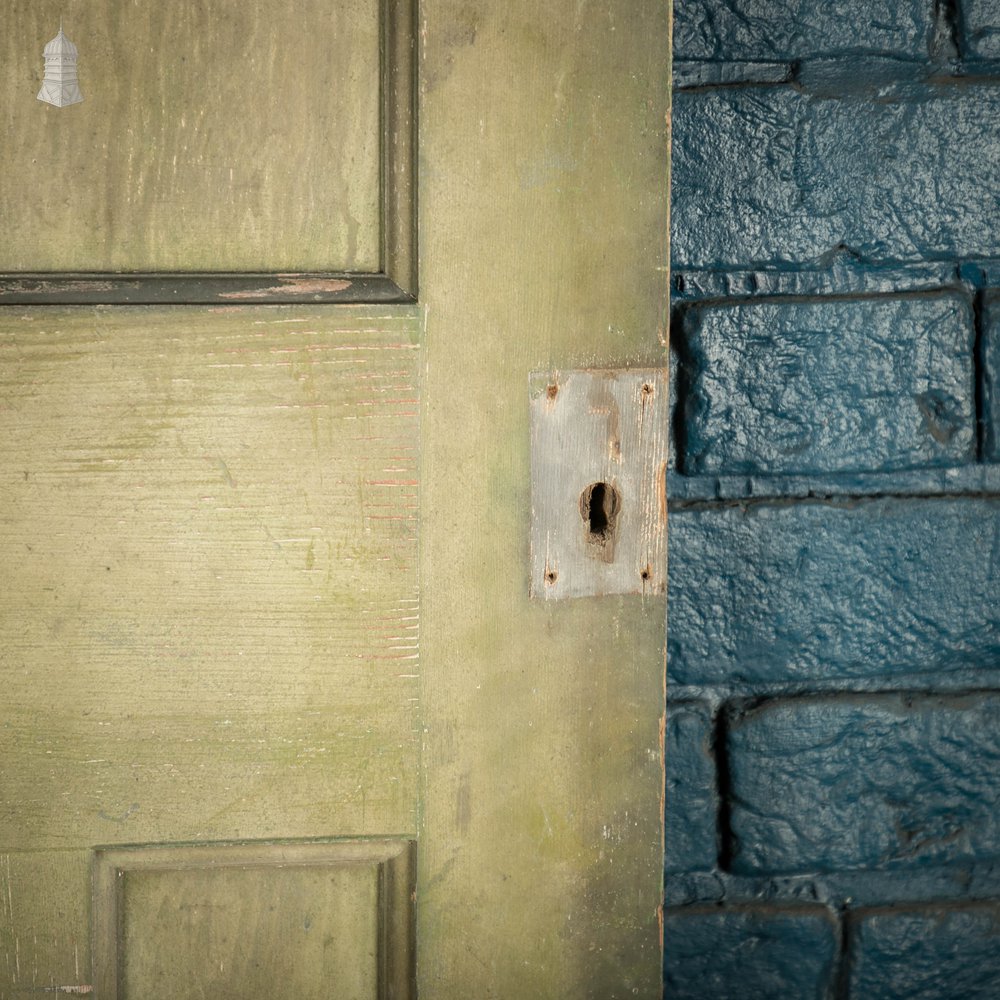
(56, 287)
(71, 990)
(123, 817)
(293, 286)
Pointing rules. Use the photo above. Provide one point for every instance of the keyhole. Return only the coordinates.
(600, 504)
(600, 508)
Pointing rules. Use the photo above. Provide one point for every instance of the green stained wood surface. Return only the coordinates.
(543, 242)
(309, 919)
(44, 921)
(209, 516)
(214, 136)
(208, 529)
(238, 933)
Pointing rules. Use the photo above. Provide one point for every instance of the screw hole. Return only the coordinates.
(552, 391)
(647, 389)
(646, 574)
(551, 576)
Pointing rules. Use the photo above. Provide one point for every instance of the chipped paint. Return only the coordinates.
(292, 286)
(225, 167)
(598, 511)
(552, 707)
(63, 286)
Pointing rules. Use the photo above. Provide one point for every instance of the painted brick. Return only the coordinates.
(981, 21)
(771, 175)
(823, 784)
(792, 29)
(691, 801)
(779, 592)
(748, 954)
(829, 386)
(991, 375)
(931, 954)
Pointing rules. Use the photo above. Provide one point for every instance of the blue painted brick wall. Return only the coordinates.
(691, 836)
(991, 375)
(786, 387)
(749, 953)
(927, 953)
(864, 781)
(833, 732)
(880, 589)
(980, 26)
(783, 174)
(736, 30)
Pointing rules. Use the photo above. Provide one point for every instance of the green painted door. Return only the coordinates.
(279, 717)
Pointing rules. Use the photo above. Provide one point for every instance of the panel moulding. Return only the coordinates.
(395, 281)
(390, 865)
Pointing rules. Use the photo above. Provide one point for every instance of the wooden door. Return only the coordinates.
(270, 667)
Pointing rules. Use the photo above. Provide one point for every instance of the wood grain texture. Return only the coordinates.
(543, 246)
(44, 924)
(212, 137)
(605, 429)
(399, 144)
(309, 920)
(250, 932)
(208, 524)
(200, 288)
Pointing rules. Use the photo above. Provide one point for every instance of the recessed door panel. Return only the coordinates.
(304, 920)
(216, 136)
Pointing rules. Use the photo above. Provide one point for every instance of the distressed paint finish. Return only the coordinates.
(209, 528)
(204, 288)
(605, 430)
(204, 142)
(44, 923)
(209, 534)
(256, 920)
(541, 837)
(210, 631)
